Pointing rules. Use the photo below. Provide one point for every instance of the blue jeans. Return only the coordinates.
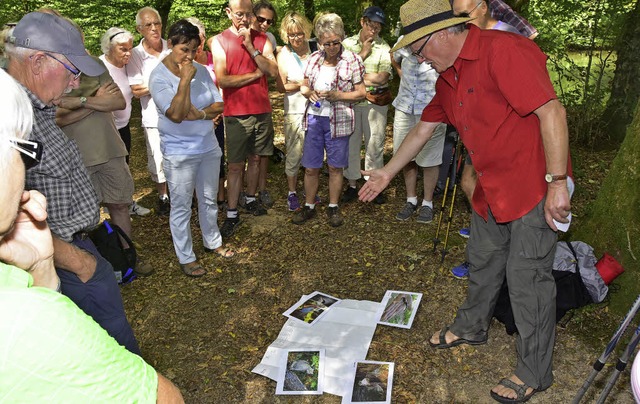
(184, 174)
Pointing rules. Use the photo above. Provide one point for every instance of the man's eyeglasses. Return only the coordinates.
(30, 150)
(262, 20)
(240, 16)
(76, 73)
(373, 26)
(418, 53)
(296, 36)
(330, 44)
(468, 14)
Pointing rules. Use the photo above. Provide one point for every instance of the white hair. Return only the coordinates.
(114, 36)
(16, 115)
(146, 10)
(198, 24)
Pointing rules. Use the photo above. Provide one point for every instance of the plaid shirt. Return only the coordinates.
(349, 72)
(502, 12)
(72, 203)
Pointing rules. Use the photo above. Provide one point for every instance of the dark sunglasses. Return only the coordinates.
(263, 20)
(30, 151)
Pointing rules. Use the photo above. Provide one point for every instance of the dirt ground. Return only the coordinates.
(207, 334)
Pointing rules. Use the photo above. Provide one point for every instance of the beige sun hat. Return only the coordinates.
(422, 17)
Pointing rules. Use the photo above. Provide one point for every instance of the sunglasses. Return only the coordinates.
(262, 20)
(418, 53)
(30, 151)
(76, 73)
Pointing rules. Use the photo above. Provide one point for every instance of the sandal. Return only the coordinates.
(442, 341)
(519, 389)
(193, 269)
(222, 251)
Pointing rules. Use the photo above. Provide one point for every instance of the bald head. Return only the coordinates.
(240, 12)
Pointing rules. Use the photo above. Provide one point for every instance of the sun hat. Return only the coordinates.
(420, 18)
(375, 14)
(50, 33)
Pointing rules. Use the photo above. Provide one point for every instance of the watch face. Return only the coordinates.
(548, 178)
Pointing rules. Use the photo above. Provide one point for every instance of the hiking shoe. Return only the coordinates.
(465, 232)
(304, 214)
(164, 207)
(143, 268)
(350, 194)
(425, 215)
(138, 210)
(229, 227)
(293, 203)
(255, 208)
(461, 271)
(335, 217)
(406, 212)
(265, 199)
(380, 199)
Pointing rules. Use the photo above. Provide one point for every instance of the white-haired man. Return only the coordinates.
(144, 58)
(51, 349)
(46, 56)
(516, 130)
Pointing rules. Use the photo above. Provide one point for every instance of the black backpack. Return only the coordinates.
(106, 237)
(571, 293)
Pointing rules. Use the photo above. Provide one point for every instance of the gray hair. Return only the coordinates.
(198, 24)
(146, 10)
(16, 115)
(114, 36)
(329, 24)
(458, 28)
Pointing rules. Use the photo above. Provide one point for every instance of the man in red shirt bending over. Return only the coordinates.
(495, 88)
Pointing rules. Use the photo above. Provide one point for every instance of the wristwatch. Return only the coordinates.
(83, 101)
(255, 54)
(551, 178)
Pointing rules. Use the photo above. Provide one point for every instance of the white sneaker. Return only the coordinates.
(138, 210)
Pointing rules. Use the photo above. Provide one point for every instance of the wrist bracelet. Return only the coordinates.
(204, 115)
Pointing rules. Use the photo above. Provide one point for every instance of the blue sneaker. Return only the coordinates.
(293, 203)
(461, 271)
(465, 232)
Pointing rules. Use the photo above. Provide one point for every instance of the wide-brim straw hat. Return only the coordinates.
(422, 17)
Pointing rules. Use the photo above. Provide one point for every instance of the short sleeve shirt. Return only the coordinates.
(51, 351)
(119, 76)
(417, 85)
(492, 109)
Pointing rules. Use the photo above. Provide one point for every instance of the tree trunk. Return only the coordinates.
(309, 9)
(625, 89)
(613, 221)
(164, 8)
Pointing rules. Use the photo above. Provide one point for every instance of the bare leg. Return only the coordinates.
(161, 187)
(262, 177)
(410, 172)
(234, 184)
(220, 196)
(119, 213)
(430, 179)
(253, 173)
(311, 181)
(292, 182)
(335, 184)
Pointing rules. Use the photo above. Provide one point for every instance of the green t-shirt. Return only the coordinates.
(51, 351)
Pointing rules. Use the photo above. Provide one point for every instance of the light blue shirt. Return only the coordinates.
(187, 137)
(417, 85)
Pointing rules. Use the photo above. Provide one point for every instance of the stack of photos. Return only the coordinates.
(399, 308)
(311, 308)
(371, 383)
(302, 372)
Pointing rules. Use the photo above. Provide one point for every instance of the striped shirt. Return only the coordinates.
(72, 203)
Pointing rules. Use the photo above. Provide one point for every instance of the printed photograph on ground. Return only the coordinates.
(311, 307)
(399, 308)
(301, 372)
(371, 383)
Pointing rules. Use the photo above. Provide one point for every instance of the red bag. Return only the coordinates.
(609, 268)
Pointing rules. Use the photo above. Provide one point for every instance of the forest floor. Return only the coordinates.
(207, 334)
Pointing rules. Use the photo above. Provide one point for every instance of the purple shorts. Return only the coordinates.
(318, 139)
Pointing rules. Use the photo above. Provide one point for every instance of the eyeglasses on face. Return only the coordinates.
(262, 20)
(418, 53)
(30, 150)
(330, 44)
(76, 73)
(373, 26)
(296, 35)
(240, 15)
(467, 14)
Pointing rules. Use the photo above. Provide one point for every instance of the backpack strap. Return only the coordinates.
(575, 257)
(113, 227)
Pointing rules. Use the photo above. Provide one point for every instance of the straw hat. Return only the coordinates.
(423, 17)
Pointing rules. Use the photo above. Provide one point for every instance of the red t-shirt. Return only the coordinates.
(489, 95)
(252, 98)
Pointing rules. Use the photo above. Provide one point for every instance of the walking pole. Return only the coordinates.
(620, 366)
(436, 240)
(599, 363)
(456, 166)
